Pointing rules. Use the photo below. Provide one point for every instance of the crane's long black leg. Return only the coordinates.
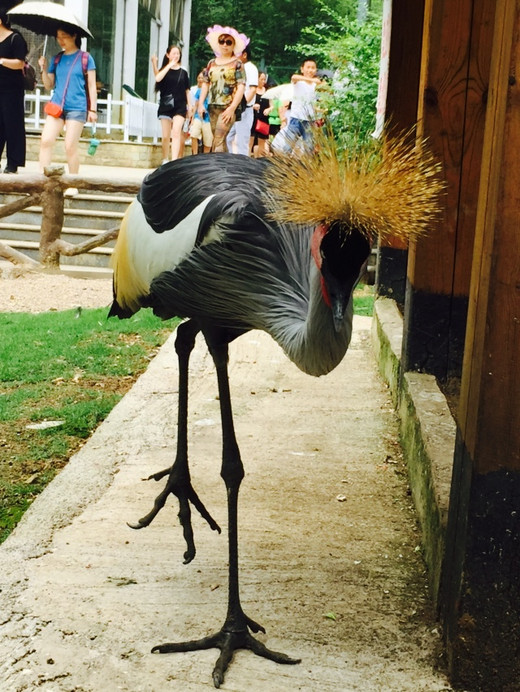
(179, 481)
(235, 631)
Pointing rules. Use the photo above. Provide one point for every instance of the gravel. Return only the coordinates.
(37, 292)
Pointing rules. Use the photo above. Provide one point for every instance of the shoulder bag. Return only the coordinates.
(56, 109)
(28, 71)
(262, 127)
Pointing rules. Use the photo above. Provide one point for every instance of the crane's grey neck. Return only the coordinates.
(313, 344)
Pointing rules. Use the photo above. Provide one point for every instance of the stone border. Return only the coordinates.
(427, 434)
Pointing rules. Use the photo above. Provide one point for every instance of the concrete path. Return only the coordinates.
(330, 563)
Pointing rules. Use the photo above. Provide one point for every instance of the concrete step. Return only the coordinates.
(34, 245)
(76, 211)
(19, 233)
(85, 272)
(77, 271)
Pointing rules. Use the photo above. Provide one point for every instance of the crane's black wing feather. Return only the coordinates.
(173, 191)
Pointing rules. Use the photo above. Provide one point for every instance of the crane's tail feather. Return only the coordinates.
(128, 287)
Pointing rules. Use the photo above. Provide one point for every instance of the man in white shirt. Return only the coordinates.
(241, 130)
(302, 109)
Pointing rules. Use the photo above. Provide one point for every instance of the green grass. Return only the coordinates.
(364, 300)
(70, 367)
(61, 366)
(59, 344)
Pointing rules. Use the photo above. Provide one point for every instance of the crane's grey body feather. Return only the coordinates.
(235, 282)
(238, 268)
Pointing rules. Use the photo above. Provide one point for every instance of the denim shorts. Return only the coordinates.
(80, 116)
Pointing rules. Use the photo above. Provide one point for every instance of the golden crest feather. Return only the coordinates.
(394, 190)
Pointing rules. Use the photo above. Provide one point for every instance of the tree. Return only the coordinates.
(282, 32)
(351, 49)
(274, 27)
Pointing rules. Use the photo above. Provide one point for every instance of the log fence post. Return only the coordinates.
(52, 217)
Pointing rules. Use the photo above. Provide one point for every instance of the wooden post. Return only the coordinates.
(52, 217)
(400, 115)
(454, 80)
(480, 588)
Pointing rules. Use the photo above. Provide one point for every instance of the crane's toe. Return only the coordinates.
(254, 626)
(228, 641)
(180, 486)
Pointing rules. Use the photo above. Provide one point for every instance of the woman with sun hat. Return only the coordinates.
(224, 81)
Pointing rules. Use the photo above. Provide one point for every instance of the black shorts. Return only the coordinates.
(168, 112)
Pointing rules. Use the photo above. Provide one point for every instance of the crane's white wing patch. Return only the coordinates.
(152, 253)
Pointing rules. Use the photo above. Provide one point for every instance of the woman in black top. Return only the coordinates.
(261, 104)
(173, 84)
(13, 50)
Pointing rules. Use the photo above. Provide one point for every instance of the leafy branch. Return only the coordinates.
(352, 50)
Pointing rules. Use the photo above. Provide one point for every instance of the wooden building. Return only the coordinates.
(453, 71)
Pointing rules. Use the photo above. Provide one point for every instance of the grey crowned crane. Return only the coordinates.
(234, 244)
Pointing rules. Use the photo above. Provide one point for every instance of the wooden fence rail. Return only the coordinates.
(47, 190)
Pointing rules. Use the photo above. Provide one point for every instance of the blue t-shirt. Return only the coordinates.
(206, 114)
(76, 94)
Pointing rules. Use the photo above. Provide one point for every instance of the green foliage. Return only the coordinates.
(80, 416)
(14, 500)
(272, 26)
(352, 50)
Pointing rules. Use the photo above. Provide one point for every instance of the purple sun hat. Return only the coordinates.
(215, 31)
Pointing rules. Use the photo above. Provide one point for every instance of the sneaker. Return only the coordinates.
(71, 192)
(10, 169)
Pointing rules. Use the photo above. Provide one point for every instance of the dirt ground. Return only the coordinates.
(330, 548)
(37, 292)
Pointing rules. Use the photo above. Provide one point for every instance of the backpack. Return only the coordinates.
(84, 66)
(29, 77)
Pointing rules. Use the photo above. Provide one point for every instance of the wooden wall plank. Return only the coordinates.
(453, 89)
(480, 586)
(490, 394)
(454, 83)
(404, 64)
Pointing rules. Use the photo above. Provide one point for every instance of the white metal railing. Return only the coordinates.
(134, 117)
(140, 119)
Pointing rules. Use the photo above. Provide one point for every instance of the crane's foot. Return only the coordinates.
(180, 486)
(228, 642)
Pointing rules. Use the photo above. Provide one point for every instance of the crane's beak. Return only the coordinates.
(342, 260)
(340, 294)
(338, 313)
